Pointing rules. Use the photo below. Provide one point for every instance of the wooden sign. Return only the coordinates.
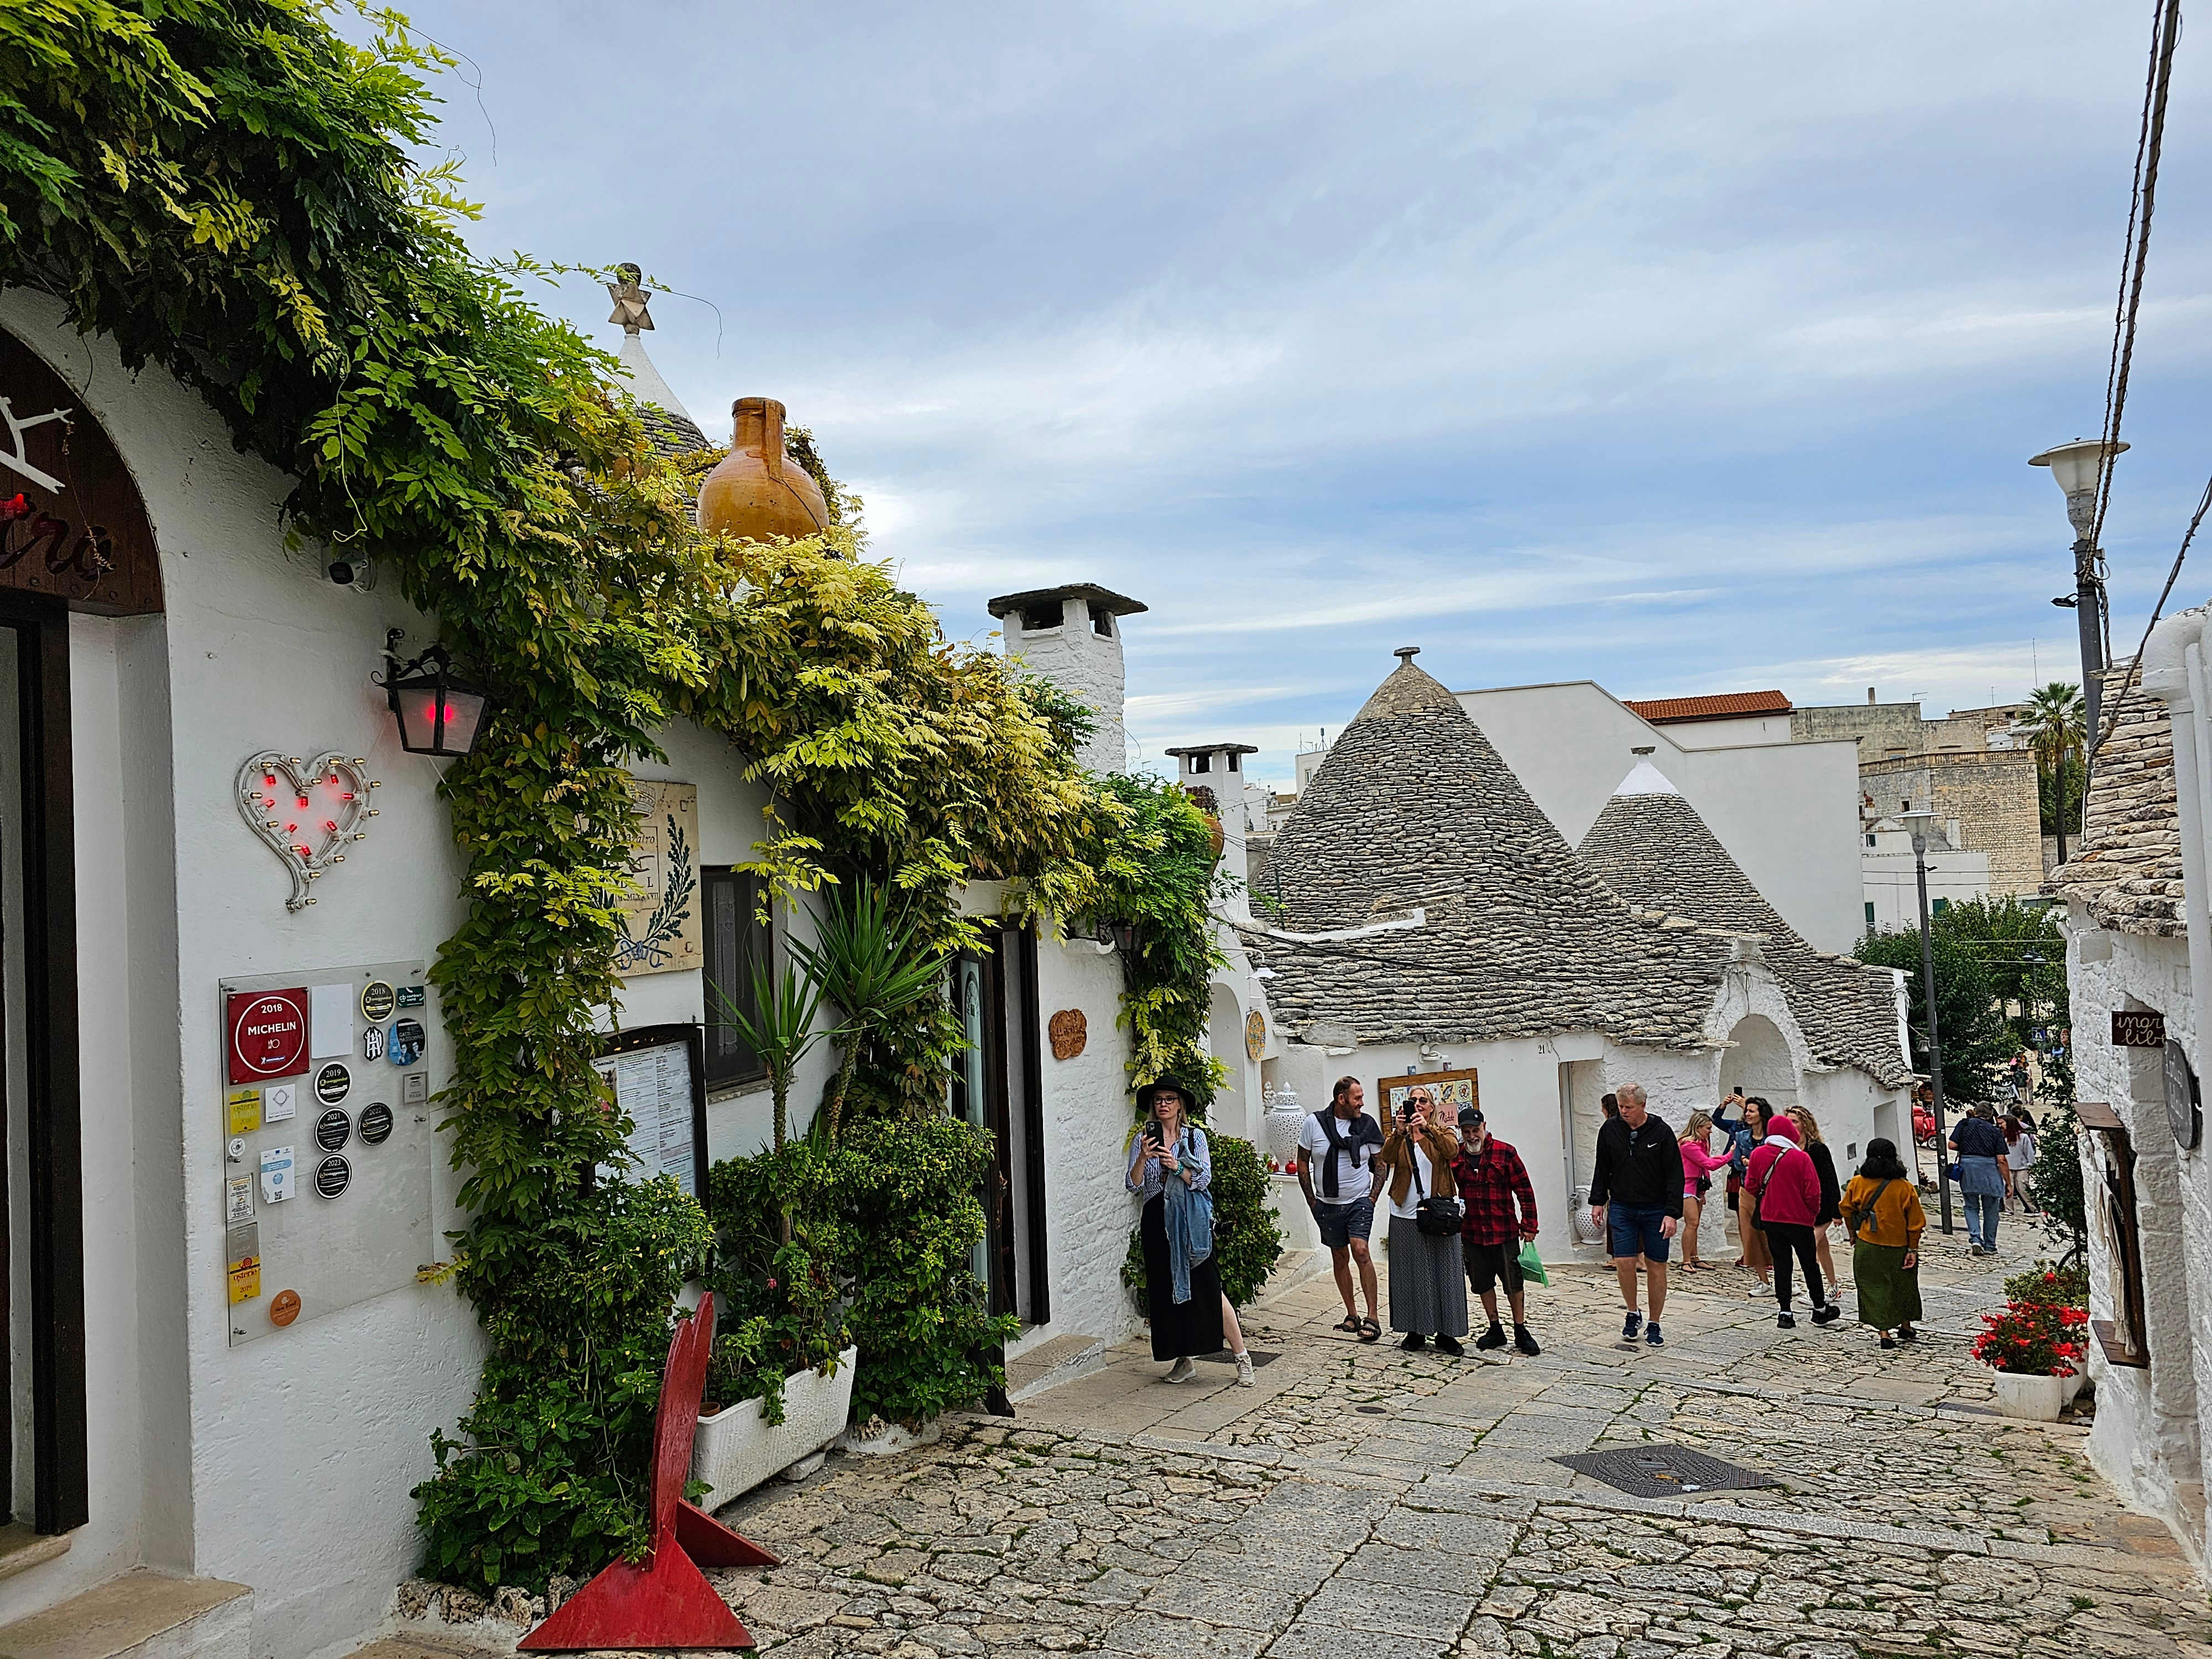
(661, 920)
(1449, 1090)
(2138, 1028)
(1069, 1031)
(72, 523)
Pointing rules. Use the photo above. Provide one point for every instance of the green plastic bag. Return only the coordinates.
(1532, 1265)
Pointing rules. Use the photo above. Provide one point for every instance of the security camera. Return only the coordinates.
(356, 573)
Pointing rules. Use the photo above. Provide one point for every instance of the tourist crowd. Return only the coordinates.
(1461, 1215)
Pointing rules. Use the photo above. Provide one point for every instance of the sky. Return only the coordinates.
(1683, 347)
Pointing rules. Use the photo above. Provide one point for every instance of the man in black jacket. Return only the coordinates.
(1635, 1197)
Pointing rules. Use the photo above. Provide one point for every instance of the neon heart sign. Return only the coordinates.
(306, 810)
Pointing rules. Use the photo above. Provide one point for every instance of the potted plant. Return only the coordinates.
(2033, 1351)
(2060, 1297)
(780, 1381)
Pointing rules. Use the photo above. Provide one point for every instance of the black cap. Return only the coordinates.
(1469, 1116)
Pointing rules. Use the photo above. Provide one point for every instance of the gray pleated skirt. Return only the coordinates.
(1428, 1293)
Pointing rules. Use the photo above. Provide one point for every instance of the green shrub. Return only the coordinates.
(541, 1478)
(784, 1300)
(2054, 1180)
(2046, 1286)
(1247, 1242)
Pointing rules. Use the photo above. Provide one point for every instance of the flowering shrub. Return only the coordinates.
(2046, 1286)
(2032, 1339)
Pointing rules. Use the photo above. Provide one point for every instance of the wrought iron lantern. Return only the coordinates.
(439, 711)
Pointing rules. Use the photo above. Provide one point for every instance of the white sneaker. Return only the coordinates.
(1182, 1371)
(1244, 1377)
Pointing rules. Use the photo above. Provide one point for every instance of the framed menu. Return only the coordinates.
(658, 1075)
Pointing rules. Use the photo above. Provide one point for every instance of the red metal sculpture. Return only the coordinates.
(667, 1602)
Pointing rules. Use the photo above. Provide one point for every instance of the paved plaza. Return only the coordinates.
(1363, 1502)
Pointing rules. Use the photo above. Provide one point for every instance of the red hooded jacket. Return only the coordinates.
(1783, 1177)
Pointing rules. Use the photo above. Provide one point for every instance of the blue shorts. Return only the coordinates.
(1342, 1222)
(1633, 1230)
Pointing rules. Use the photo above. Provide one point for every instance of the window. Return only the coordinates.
(1040, 618)
(1233, 758)
(1102, 620)
(2112, 1208)
(1940, 906)
(736, 939)
(1904, 805)
(1201, 762)
(1869, 907)
(1870, 841)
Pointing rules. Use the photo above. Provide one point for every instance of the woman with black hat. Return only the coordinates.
(1171, 1165)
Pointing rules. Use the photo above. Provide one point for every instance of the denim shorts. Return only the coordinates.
(1342, 1222)
(1633, 1230)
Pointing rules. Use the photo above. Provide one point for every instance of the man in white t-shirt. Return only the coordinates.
(1341, 1144)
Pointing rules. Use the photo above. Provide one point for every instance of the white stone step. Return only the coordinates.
(140, 1615)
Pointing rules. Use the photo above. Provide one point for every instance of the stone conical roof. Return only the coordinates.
(667, 422)
(1414, 807)
(1651, 848)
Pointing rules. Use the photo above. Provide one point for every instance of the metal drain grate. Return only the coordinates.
(1663, 1471)
(1223, 1357)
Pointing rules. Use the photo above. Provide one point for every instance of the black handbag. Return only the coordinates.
(1438, 1217)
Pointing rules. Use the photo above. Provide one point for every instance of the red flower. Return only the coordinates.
(16, 506)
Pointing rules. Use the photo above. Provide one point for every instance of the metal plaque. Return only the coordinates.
(2185, 1102)
(1663, 1471)
(332, 1130)
(332, 1083)
(333, 1175)
(2138, 1028)
(375, 1123)
(376, 1001)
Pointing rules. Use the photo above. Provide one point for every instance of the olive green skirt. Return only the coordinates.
(1889, 1292)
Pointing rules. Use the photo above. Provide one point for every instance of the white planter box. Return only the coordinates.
(736, 1449)
(2033, 1399)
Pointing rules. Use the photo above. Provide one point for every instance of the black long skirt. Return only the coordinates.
(1188, 1328)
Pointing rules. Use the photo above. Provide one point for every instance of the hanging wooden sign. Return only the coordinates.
(72, 523)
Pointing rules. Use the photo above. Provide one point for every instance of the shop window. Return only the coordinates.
(2112, 1205)
(736, 939)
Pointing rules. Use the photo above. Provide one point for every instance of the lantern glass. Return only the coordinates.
(437, 715)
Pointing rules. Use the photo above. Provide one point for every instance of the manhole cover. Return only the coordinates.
(1663, 1471)
(1372, 1411)
(1223, 1357)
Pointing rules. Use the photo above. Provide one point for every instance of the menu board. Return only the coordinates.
(657, 1079)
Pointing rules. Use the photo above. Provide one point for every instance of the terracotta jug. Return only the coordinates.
(758, 491)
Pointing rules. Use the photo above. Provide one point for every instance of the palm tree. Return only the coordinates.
(2055, 732)
(867, 956)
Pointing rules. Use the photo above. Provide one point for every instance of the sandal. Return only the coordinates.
(1349, 1324)
(1370, 1331)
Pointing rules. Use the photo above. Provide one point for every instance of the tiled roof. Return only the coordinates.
(1727, 706)
(2127, 868)
(1414, 807)
(1651, 848)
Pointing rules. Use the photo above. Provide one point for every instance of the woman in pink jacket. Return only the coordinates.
(1785, 1186)
(1698, 1164)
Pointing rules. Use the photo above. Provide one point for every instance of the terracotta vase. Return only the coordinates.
(758, 491)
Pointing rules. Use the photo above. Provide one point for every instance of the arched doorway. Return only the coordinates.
(1225, 1036)
(1760, 1062)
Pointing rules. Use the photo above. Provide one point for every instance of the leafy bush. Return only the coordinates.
(1977, 1044)
(786, 1306)
(544, 1475)
(2030, 1340)
(1247, 1242)
(2046, 1286)
(2054, 1180)
(883, 1230)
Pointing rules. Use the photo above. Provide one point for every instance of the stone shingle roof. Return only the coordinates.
(1651, 848)
(1414, 807)
(2127, 868)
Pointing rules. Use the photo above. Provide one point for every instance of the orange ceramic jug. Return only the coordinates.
(758, 491)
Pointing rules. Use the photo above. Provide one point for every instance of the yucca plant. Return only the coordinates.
(779, 1029)
(867, 958)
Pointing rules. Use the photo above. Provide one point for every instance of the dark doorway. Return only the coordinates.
(40, 1133)
(999, 1085)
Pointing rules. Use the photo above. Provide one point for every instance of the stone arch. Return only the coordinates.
(1760, 1061)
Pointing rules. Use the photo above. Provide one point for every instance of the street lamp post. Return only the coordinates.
(2076, 469)
(1917, 822)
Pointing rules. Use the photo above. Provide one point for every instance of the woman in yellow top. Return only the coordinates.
(1881, 1207)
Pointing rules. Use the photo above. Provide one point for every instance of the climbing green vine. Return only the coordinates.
(223, 188)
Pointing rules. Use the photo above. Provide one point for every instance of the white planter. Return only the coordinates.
(2074, 1386)
(2031, 1398)
(736, 1449)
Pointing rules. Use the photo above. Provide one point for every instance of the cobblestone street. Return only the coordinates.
(1365, 1501)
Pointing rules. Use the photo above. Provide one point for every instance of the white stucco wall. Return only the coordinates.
(1087, 1116)
(1892, 883)
(2153, 1427)
(1728, 733)
(1788, 813)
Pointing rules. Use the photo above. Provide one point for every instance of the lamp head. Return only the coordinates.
(2075, 468)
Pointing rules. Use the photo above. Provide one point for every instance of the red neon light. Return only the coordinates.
(291, 829)
(303, 800)
(330, 823)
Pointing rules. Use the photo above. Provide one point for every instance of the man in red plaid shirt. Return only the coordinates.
(1492, 1183)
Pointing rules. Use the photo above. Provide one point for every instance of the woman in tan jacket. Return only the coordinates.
(1428, 1294)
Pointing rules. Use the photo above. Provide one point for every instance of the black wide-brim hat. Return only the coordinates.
(1146, 1091)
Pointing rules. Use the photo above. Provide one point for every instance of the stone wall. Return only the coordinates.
(1991, 794)
(1880, 728)
(2153, 1425)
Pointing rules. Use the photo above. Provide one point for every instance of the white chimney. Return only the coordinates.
(1218, 768)
(1071, 636)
